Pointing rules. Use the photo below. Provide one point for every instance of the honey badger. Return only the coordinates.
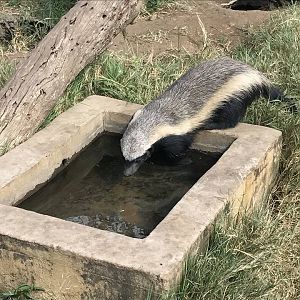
(213, 95)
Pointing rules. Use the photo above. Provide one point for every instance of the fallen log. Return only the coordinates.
(82, 34)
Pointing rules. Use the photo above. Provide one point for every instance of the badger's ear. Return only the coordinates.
(136, 114)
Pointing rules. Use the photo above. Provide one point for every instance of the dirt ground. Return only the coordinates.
(187, 25)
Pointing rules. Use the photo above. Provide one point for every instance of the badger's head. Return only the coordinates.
(136, 145)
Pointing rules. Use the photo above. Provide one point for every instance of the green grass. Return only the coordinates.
(22, 292)
(258, 257)
(6, 70)
(49, 11)
(154, 5)
(46, 14)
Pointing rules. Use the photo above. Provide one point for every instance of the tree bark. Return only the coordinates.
(84, 32)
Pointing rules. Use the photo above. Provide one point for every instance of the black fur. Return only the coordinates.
(171, 149)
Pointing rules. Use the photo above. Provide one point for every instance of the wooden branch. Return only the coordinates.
(84, 32)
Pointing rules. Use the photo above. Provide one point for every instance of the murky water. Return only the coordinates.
(92, 190)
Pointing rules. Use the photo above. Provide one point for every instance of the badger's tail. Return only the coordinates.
(274, 94)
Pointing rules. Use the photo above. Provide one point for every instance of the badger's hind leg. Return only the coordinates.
(172, 149)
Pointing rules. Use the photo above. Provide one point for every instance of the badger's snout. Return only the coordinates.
(131, 167)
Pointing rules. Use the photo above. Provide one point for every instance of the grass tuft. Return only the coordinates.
(49, 11)
(6, 71)
(37, 17)
(23, 291)
(154, 5)
(256, 258)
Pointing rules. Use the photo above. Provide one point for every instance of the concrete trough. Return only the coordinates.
(72, 261)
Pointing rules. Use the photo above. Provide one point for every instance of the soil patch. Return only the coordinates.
(183, 26)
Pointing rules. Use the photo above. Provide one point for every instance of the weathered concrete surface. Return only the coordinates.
(34, 162)
(72, 261)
